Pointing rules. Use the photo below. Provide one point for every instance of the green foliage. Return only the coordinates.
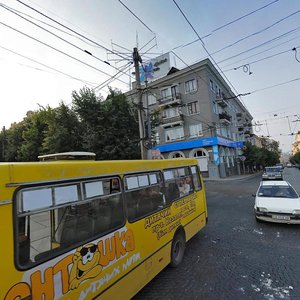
(295, 159)
(268, 155)
(64, 131)
(33, 136)
(111, 131)
(107, 127)
(13, 138)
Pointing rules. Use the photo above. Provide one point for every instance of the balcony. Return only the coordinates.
(173, 120)
(221, 102)
(170, 100)
(225, 118)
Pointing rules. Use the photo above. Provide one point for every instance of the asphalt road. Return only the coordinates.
(235, 257)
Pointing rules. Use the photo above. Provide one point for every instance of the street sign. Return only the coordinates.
(242, 158)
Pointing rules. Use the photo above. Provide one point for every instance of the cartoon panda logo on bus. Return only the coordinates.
(86, 263)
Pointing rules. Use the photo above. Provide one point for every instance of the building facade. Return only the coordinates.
(200, 117)
(296, 144)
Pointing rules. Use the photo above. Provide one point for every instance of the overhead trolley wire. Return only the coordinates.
(203, 45)
(112, 78)
(275, 85)
(264, 58)
(136, 16)
(44, 65)
(52, 26)
(257, 32)
(262, 44)
(81, 35)
(227, 24)
(272, 48)
(64, 40)
(64, 53)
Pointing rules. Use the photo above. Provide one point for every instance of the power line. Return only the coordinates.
(272, 48)
(200, 39)
(154, 38)
(44, 65)
(262, 59)
(262, 44)
(73, 45)
(47, 24)
(276, 85)
(53, 48)
(136, 16)
(112, 78)
(257, 32)
(227, 24)
(53, 20)
(203, 45)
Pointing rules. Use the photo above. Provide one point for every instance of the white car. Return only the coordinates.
(277, 201)
(272, 173)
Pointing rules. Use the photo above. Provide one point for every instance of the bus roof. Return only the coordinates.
(75, 155)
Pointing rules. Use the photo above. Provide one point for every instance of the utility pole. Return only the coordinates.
(3, 142)
(149, 153)
(136, 60)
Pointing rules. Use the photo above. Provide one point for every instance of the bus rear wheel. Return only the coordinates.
(177, 250)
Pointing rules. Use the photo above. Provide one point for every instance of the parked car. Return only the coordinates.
(277, 201)
(272, 173)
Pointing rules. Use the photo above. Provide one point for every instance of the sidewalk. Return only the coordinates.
(234, 177)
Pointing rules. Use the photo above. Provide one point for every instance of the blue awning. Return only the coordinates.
(203, 142)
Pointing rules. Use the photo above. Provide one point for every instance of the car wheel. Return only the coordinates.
(177, 250)
(258, 220)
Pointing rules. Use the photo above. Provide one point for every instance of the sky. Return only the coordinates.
(84, 43)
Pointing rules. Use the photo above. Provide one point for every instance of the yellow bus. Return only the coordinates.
(84, 229)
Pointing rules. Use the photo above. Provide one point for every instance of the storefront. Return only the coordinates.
(217, 157)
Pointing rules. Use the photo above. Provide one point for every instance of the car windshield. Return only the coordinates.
(277, 191)
(272, 170)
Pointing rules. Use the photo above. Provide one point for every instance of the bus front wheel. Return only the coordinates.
(177, 250)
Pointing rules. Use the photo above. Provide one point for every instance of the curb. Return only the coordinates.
(239, 177)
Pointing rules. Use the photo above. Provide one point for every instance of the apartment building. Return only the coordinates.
(296, 144)
(200, 117)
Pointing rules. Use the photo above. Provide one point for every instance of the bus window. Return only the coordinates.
(178, 183)
(196, 178)
(143, 195)
(75, 213)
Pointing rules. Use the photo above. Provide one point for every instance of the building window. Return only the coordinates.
(164, 93)
(170, 112)
(151, 99)
(173, 134)
(211, 84)
(193, 108)
(196, 130)
(190, 86)
(156, 138)
(178, 154)
(174, 91)
(215, 107)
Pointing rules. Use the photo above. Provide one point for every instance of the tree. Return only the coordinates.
(268, 155)
(33, 135)
(295, 159)
(110, 129)
(13, 140)
(64, 131)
